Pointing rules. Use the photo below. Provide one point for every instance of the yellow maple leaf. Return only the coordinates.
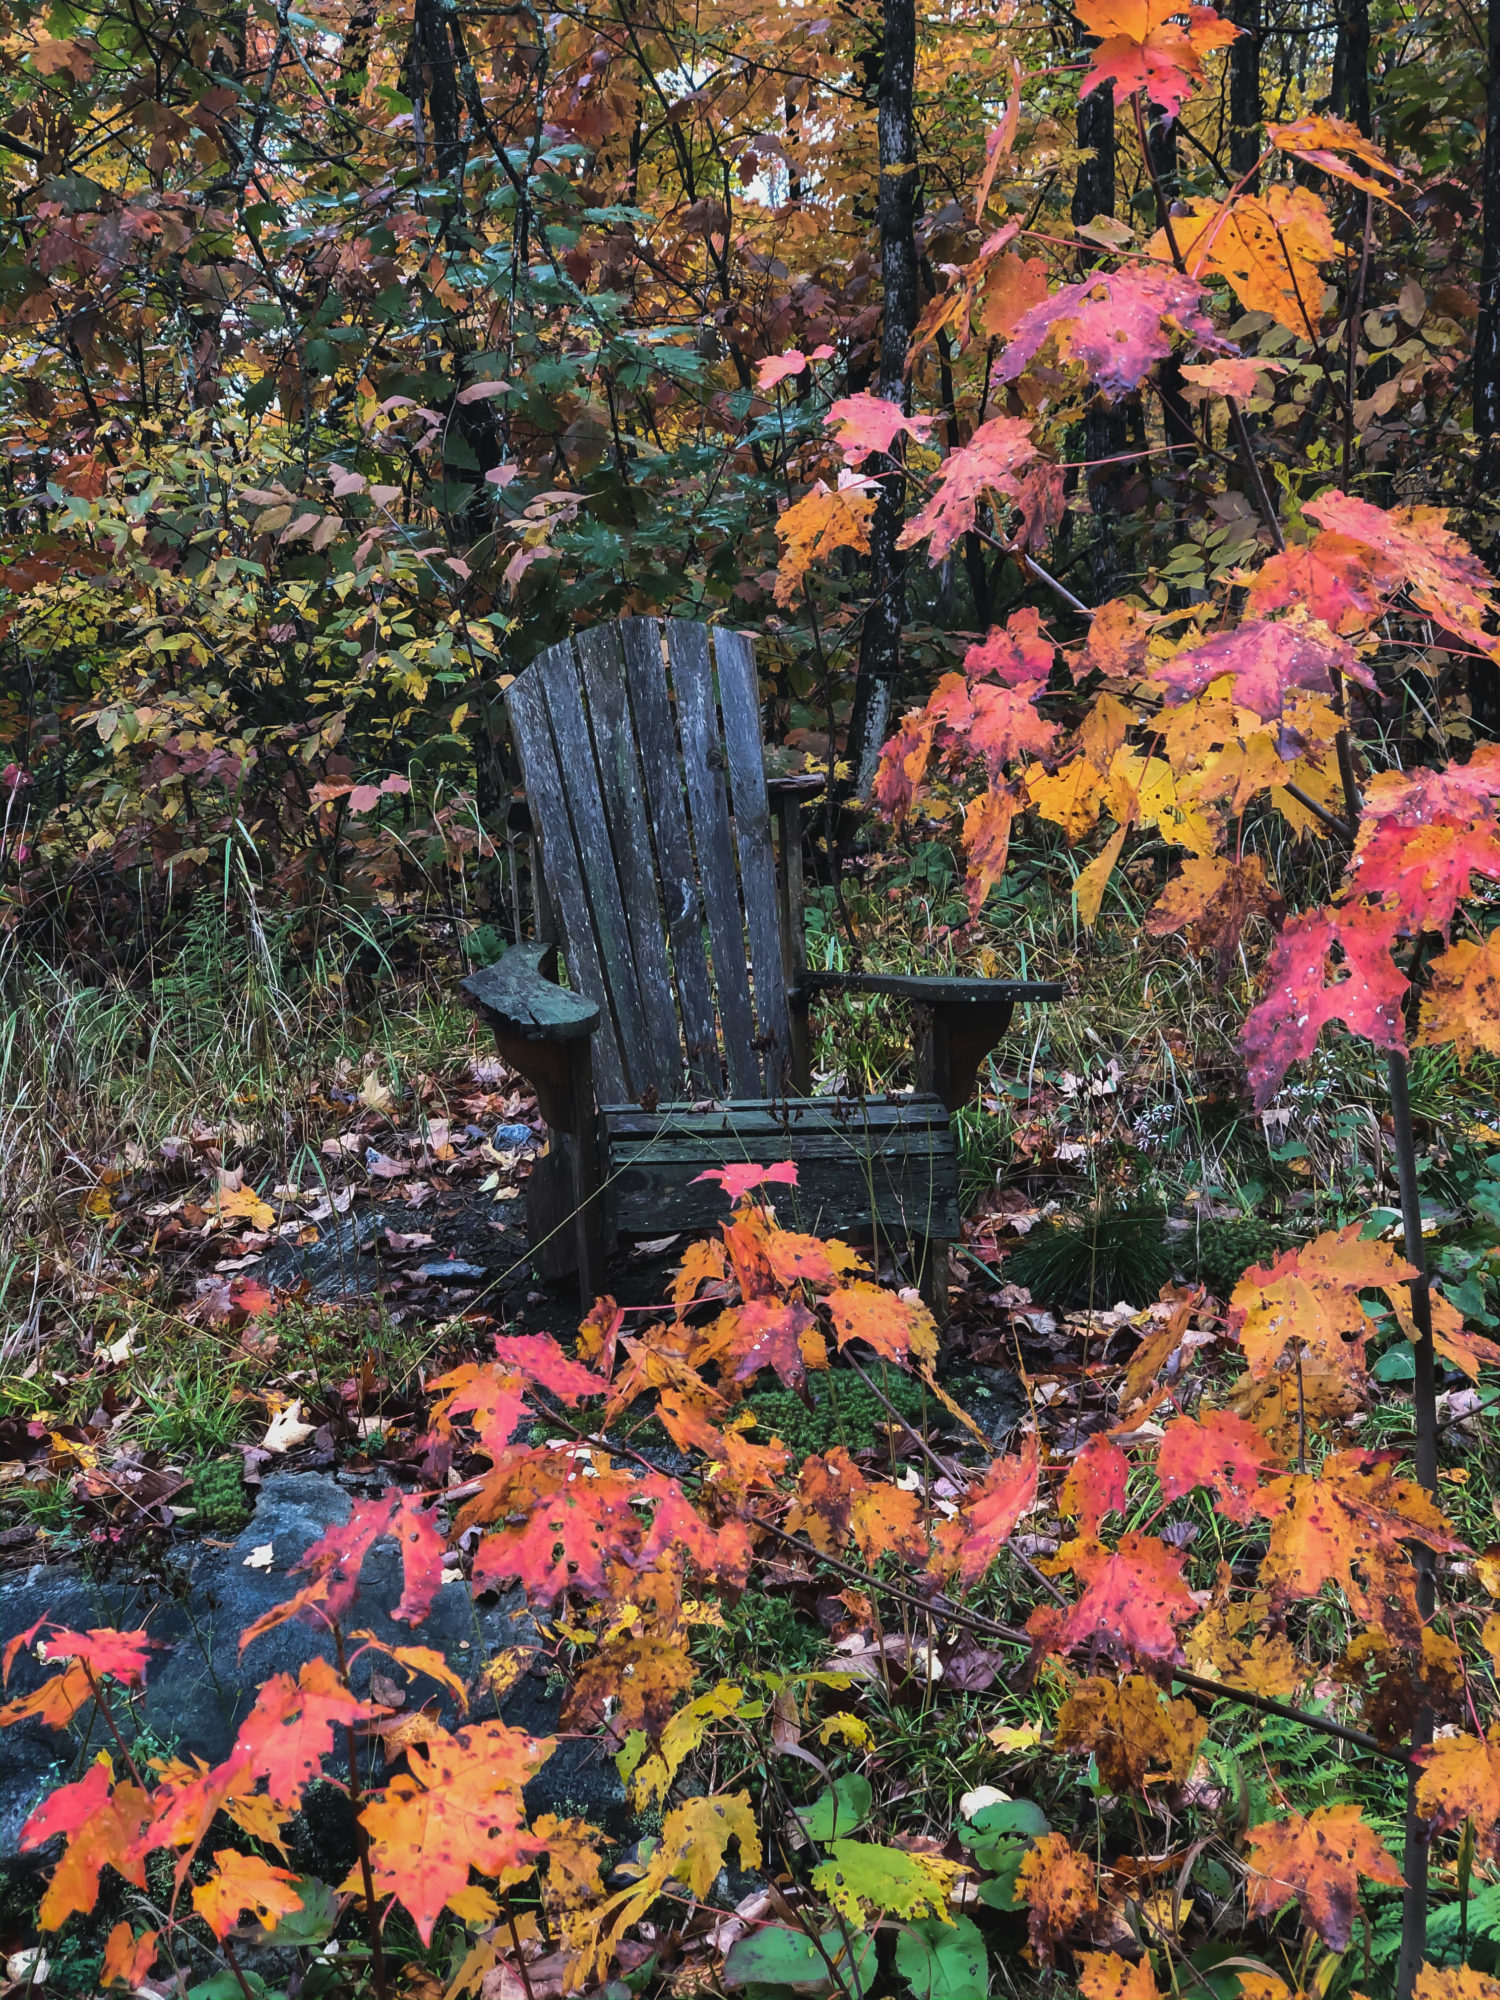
(1269, 247)
(823, 520)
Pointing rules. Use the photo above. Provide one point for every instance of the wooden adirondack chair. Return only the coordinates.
(681, 1039)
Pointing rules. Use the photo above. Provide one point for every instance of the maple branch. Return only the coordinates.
(362, 1838)
(1331, 820)
(101, 1702)
(942, 1607)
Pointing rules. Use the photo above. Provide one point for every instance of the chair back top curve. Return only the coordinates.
(641, 753)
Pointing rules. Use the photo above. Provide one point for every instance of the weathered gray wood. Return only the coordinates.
(558, 672)
(930, 989)
(703, 765)
(895, 1164)
(661, 768)
(544, 787)
(739, 701)
(602, 665)
(793, 937)
(514, 990)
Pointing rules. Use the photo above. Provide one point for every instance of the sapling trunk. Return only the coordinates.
(1424, 1422)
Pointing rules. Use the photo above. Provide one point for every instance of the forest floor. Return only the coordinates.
(245, 1229)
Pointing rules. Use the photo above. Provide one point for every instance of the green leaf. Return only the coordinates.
(1397, 1364)
(942, 1961)
(1013, 1816)
(840, 1809)
(314, 1923)
(781, 1958)
(861, 1874)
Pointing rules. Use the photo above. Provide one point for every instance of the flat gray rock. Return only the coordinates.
(200, 1686)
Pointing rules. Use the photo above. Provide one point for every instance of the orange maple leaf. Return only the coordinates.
(1329, 144)
(245, 1882)
(1461, 1781)
(1319, 1860)
(1144, 47)
(1312, 1295)
(459, 1806)
(127, 1958)
(899, 1330)
(1104, 1975)
(1348, 1524)
(825, 519)
(102, 1823)
(1270, 247)
(1057, 1885)
(1212, 898)
(1132, 1730)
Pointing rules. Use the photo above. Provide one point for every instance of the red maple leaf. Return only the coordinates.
(988, 720)
(1132, 1602)
(1117, 324)
(1020, 652)
(335, 1560)
(568, 1521)
(491, 1398)
(290, 1730)
(1221, 1451)
(987, 1517)
(1424, 871)
(102, 1651)
(538, 1357)
(1267, 658)
(741, 1180)
(1143, 47)
(722, 1552)
(1330, 576)
(1095, 1485)
(1300, 1000)
(866, 424)
(768, 1333)
(988, 463)
(1410, 547)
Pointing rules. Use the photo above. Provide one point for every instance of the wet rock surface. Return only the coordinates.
(201, 1685)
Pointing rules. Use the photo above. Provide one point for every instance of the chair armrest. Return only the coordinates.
(933, 991)
(517, 999)
(965, 1018)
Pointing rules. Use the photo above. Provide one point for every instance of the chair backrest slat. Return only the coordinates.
(704, 766)
(656, 847)
(563, 684)
(677, 877)
(527, 703)
(739, 701)
(609, 720)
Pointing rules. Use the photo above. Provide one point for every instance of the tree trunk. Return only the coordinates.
(438, 60)
(1245, 111)
(1487, 333)
(1177, 419)
(896, 206)
(1351, 64)
(1104, 426)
